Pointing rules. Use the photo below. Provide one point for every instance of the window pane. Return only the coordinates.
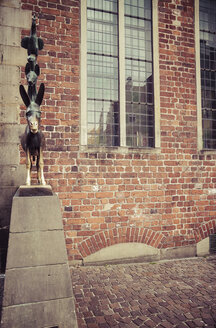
(102, 73)
(208, 74)
(139, 74)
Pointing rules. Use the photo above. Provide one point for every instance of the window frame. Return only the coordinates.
(122, 100)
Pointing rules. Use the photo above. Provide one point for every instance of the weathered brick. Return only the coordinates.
(161, 199)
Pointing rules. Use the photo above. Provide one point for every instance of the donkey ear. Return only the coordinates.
(37, 69)
(40, 94)
(24, 95)
(27, 68)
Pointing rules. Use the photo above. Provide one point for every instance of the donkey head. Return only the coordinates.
(33, 112)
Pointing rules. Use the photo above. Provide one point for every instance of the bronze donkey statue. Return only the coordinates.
(33, 140)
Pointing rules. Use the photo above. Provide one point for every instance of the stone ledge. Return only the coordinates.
(34, 190)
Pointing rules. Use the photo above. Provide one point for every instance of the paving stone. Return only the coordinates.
(124, 320)
(150, 323)
(92, 325)
(138, 321)
(209, 321)
(166, 324)
(191, 324)
(90, 320)
(199, 322)
(103, 325)
(172, 294)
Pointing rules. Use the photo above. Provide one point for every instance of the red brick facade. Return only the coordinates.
(164, 199)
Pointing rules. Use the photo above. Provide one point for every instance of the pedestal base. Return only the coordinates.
(38, 289)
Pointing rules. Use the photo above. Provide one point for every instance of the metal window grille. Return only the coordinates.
(102, 73)
(103, 110)
(139, 74)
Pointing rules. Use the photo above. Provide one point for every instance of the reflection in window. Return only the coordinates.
(102, 73)
(208, 71)
(139, 83)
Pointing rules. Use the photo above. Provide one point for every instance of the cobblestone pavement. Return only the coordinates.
(179, 293)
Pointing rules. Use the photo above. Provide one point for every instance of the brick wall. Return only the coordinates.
(164, 199)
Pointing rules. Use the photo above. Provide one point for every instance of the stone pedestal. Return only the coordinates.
(38, 290)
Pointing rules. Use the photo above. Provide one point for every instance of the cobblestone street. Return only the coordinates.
(178, 293)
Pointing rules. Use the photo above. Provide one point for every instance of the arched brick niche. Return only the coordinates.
(132, 243)
(104, 239)
(205, 230)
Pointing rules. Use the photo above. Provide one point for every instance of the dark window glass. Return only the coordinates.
(208, 71)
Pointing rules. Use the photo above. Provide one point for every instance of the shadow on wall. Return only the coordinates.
(6, 197)
(3, 249)
(4, 234)
(1, 292)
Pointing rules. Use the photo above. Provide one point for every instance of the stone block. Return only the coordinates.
(10, 3)
(32, 214)
(31, 245)
(178, 252)
(12, 175)
(10, 96)
(11, 55)
(55, 313)
(10, 36)
(15, 17)
(9, 75)
(203, 247)
(9, 113)
(10, 153)
(11, 133)
(37, 284)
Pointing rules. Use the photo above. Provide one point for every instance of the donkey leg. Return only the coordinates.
(28, 167)
(40, 165)
(38, 169)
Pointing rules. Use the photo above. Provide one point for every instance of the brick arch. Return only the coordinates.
(114, 236)
(204, 230)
